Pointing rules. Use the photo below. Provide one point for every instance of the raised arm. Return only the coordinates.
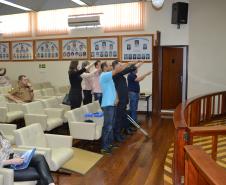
(142, 77)
(90, 65)
(119, 69)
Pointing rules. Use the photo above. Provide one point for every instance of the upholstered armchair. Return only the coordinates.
(58, 148)
(7, 178)
(7, 131)
(79, 129)
(49, 118)
(52, 93)
(10, 112)
(54, 103)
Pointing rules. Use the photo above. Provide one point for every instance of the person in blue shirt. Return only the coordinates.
(109, 100)
(134, 91)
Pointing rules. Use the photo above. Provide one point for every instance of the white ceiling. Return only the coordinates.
(39, 5)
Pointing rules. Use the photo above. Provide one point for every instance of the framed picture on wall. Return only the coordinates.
(104, 48)
(138, 47)
(4, 51)
(22, 50)
(74, 48)
(47, 49)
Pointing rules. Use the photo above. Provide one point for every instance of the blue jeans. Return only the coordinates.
(107, 131)
(133, 104)
(98, 96)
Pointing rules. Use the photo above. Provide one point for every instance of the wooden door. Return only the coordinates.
(172, 71)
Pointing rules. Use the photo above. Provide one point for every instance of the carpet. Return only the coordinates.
(82, 161)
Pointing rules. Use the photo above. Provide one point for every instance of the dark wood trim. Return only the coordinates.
(156, 78)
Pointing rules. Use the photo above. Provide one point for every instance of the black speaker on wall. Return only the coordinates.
(179, 13)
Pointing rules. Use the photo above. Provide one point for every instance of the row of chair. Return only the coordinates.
(57, 150)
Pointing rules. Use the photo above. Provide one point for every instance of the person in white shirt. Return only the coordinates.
(87, 83)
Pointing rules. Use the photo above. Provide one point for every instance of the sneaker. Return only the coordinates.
(114, 146)
(105, 151)
(133, 129)
(128, 132)
(119, 139)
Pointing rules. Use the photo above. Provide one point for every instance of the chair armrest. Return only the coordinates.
(7, 128)
(8, 176)
(55, 141)
(1, 179)
(82, 130)
(14, 107)
(36, 118)
(45, 151)
(3, 114)
(54, 112)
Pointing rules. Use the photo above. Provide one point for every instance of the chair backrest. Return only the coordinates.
(3, 101)
(48, 92)
(51, 103)
(37, 86)
(46, 85)
(33, 108)
(64, 89)
(37, 93)
(5, 89)
(76, 114)
(31, 135)
(93, 107)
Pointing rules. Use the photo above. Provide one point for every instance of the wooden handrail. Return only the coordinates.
(207, 131)
(201, 169)
(189, 115)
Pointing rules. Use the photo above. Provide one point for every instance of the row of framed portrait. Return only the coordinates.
(132, 48)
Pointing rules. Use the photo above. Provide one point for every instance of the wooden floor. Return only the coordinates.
(138, 161)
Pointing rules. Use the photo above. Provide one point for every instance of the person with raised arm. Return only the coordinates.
(122, 90)
(134, 91)
(109, 101)
(75, 93)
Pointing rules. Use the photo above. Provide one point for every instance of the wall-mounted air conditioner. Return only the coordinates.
(85, 20)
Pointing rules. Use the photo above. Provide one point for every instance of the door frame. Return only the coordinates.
(157, 76)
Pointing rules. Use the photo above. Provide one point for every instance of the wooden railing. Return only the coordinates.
(200, 169)
(188, 119)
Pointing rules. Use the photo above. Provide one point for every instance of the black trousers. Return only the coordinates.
(75, 97)
(87, 97)
(38, 170)
(121, 119)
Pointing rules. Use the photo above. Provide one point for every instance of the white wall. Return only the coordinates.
(207, 54)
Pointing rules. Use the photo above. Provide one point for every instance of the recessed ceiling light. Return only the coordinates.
(15, 5)
(81, 3)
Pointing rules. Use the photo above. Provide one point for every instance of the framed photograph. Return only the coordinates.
(74, 49)
(47, 49)
(22, 50)
(4, 51)
(104, 48)
(135, 48)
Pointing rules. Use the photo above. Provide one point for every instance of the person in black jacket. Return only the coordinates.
(123, 100)
(75, 93)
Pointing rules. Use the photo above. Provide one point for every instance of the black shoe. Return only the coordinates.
(119, 139)
(105, 151)
(133, 129)
(128, 132)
